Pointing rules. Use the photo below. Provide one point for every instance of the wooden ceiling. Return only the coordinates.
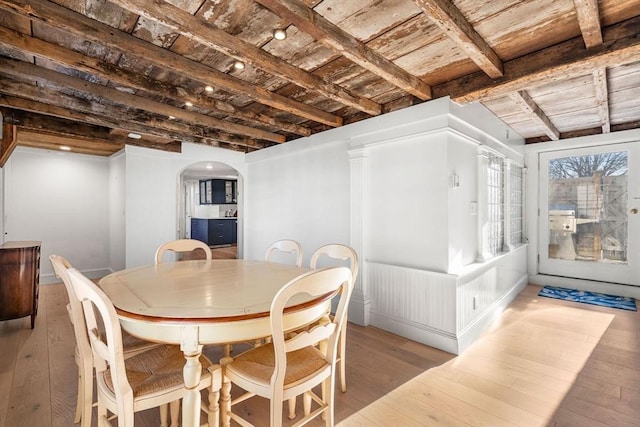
(88, 73)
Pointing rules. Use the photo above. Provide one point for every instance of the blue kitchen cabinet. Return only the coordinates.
(218, 192)
(215, 231)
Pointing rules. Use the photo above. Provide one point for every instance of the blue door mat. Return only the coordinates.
(586, 297)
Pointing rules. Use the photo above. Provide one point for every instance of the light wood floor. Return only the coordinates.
(217, 252)
(224, 252)
(544, 363)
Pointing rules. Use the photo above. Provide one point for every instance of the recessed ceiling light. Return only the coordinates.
(209, 166)
(188, 104)
(279, 34)
(65, 148)
(134, 135)
(238, 65)
(208, 88)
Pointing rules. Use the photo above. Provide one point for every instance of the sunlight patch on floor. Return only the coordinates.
(518, 372)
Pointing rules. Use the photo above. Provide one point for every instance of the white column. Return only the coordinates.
(360, 304)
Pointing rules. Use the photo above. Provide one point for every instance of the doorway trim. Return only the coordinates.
(191, 171)
(533, 201)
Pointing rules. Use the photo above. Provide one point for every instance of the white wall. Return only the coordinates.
(152, 194)
(117, 210)
(408, 222)
(302, 196)
(462, 224)
(62, 200)
(299, 190)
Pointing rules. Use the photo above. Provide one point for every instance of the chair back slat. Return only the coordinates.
(311, 337)
(182, 245)
(336, 251)
(287, 246)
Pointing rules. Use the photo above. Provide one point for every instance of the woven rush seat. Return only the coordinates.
(257, 365)
(156, 370)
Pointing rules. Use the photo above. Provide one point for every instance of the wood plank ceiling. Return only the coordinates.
(89, 73)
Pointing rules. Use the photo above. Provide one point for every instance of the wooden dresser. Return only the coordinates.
(19, 278)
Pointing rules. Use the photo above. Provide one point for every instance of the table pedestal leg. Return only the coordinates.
(225, 394)
(191, 401)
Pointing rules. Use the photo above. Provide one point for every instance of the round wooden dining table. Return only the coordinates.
(193, 303)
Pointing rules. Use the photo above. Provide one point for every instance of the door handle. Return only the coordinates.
(634, 211)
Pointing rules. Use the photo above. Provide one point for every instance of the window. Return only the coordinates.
(500, 204)
(514, 220)
(495, 204)
(588, 198)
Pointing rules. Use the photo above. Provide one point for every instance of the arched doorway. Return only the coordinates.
(206, 215)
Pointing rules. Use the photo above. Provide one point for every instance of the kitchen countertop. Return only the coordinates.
(221, 217)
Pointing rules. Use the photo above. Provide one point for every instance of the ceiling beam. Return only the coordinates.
(62, 127)
(561, 61)
(40, 131)
(47, 141)
(27, 97)
(74, 60)
(53, 141)
(195, 28)
(77, 135)
(19, 69)
(105, 35)
(585, 132)
(589, 21)
(329, 34)
(602, 98)
(453, 23)
(523, 100)
(8, 142)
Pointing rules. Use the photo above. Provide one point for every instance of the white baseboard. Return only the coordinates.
(468, 335)
(419, 333)
(47, 279)
(359, 308)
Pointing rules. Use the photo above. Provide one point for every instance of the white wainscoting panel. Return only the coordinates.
(417, 304)
(447, 311)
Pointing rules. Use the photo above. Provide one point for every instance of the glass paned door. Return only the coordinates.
(589, 221)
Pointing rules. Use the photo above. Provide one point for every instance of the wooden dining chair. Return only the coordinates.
(322, 257)
(319, 258)
(146, 380)
(83, 354)
(292, 364)
(287, 246)
(187, 245)
(181, 246)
